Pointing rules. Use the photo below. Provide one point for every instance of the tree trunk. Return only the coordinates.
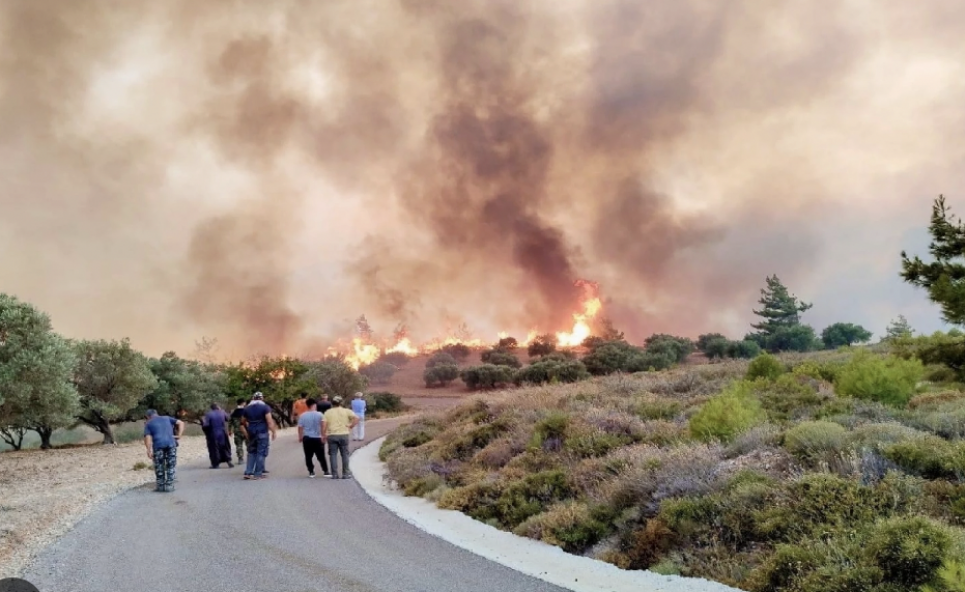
(106, 429)
(45, 434)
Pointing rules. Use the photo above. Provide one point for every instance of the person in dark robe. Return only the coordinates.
(215, 428)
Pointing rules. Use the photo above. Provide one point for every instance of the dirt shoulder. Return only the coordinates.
(43, 494)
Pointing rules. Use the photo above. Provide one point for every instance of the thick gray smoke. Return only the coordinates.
(263, 173)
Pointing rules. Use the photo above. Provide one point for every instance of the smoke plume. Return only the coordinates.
(264, 173)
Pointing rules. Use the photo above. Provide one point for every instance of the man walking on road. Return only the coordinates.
(358, 408)
(257, 424)
(160, 438)
(310, 435)
(235, 425)
(337, 423)
(215, 427)
(324, 405)
(298, 407)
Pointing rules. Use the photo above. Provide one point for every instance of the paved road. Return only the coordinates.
(287, 533)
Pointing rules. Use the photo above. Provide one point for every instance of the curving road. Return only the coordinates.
(288, 533)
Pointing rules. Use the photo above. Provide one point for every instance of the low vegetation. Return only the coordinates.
(835, 470)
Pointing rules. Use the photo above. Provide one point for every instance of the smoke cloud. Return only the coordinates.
(263, 173)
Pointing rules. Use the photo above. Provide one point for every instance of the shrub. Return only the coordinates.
(500, 357)
(334, 376)
(876, 436)
(704, 341)
(658, 408)
(550, 431)
(619, 356)
(541, 345)
(440, 374)
(909, 550)
(730, 413)
(384, 402)
(594, 444)
(552, 370)
(745, 349)
(459, 351)
(717, 348)
(530, 496)
(439, 358)
(397, 359)
(930, 456)
(486, 376)
(378, 372)
(570, 525)
(813, 440)
(669, 345)
(507, 343)
(765, 366)
(889, 380)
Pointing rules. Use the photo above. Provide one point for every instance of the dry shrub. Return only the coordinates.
(656, 407)
(654, 474)
(662, 433)
(569, 525)
(875, 436)
(499, 453)
(645, 546)
(764, 436)
(931, 401)
(618, 423)
(408, 464)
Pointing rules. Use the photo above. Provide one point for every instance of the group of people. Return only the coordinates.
(253, 428)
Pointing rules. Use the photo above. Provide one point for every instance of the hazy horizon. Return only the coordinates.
(264, 174)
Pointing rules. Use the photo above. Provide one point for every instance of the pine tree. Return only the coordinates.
(944, 278)
(780, 309)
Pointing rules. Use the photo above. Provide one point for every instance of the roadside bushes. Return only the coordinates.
(727, 415)
(888, 380)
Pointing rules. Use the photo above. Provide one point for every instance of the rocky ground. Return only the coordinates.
(43, 494)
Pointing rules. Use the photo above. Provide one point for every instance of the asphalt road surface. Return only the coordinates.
(287, 533)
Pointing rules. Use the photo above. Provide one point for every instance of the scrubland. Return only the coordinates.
(840, 470)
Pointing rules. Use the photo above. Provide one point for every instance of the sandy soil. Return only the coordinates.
(44, 493)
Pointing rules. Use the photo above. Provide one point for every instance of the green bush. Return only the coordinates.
(728, 414)
(765, 366)
(383, 402)
(440, 374)
(594, 444)
(548, 370)
(620, 356)
(486, 376)
(441, 358)
(745, 349)
(569, 525)
(931, 457)
(909, 550)
(500, 357)
(790, 397)
(378, 372)
(541, 345)
(528, 497)
(669, 346)
(814, 440)
(889, 380)
(458, 351)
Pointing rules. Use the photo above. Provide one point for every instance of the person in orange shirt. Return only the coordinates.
(298, 407)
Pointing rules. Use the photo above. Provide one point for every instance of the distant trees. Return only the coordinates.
(500, 357)
(378, 372)
(182, 386)
(898, 328)
(541, 345)
(441, 369)
(844, 334)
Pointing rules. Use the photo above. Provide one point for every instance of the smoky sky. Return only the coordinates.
(264, 173)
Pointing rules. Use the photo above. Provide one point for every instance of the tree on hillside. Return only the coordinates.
(899, 328)
(541, 345)
(943, 278)
(36, 366)
(677, 347)
(333, 376)
(841, 334)
(111, 378)
(779, 308)
(703, 341)
(607, 331)
(780, 328)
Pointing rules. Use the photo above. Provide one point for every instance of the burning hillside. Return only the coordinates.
(365, 348)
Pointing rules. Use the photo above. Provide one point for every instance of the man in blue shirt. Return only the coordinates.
(358, 408)
(257, 423)
(160, 438)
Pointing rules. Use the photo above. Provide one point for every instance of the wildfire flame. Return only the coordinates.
(591, 306)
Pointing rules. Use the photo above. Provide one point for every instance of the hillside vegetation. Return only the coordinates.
(808, 472)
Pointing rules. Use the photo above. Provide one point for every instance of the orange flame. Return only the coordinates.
(591, 306)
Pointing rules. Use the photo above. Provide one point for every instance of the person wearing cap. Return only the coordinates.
(160, 438)
(337, 424)
(257, 424)
(358, 408)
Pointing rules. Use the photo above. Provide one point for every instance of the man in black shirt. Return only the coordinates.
(324, 404)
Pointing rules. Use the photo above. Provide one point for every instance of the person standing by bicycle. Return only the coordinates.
(160, 438)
